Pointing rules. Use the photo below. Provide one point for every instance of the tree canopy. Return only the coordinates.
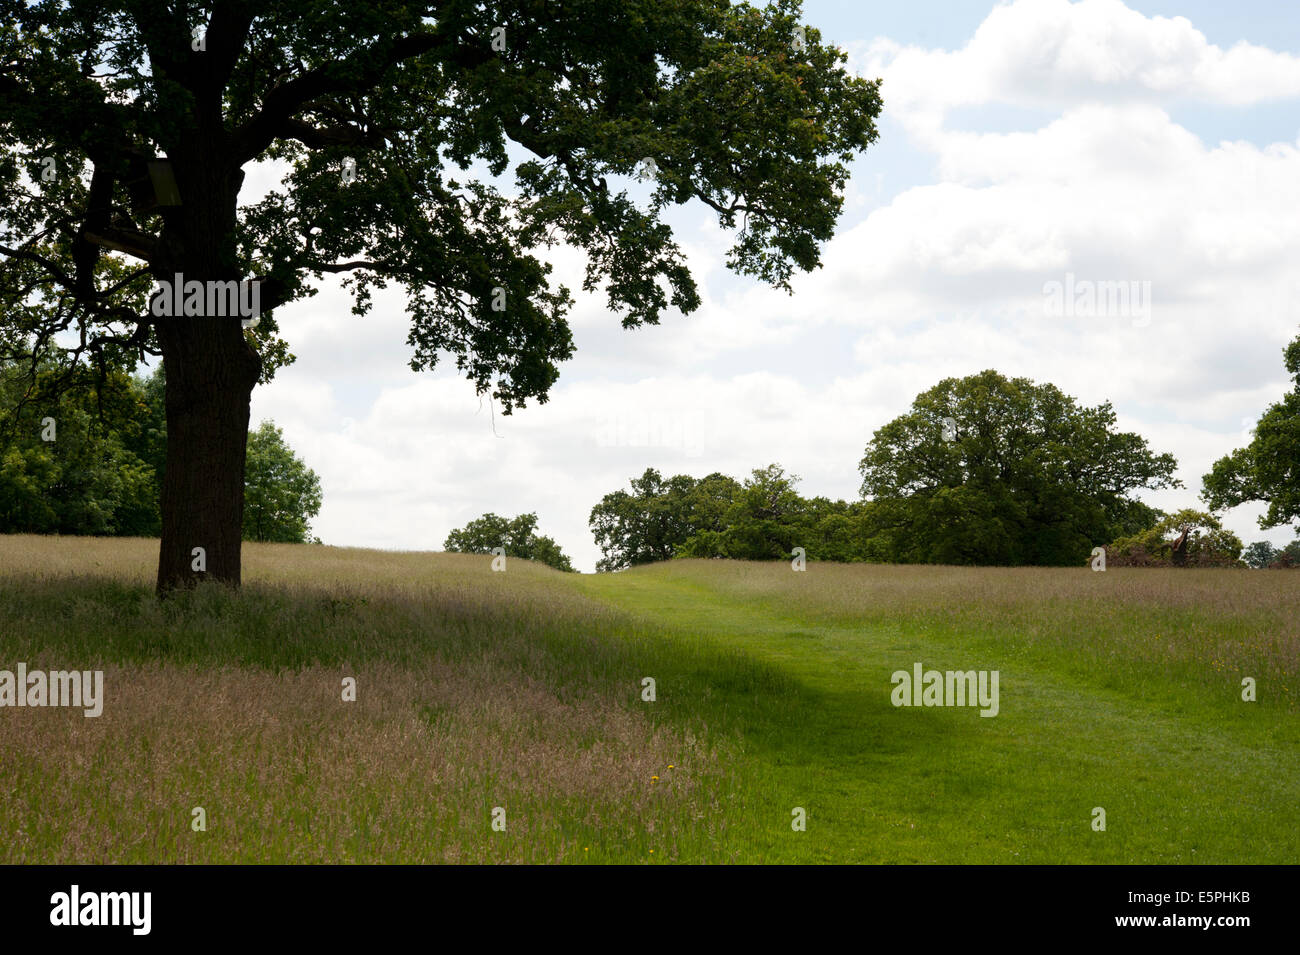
(518, 537)
(1259, 555)
(658, 516)
(75, 454)
(762, 518)
(1267, 469)
(86, 456)
(760, 522)
(994, 470)
(281, 493)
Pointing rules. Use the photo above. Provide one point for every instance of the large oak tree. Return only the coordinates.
(994, 470)
(126, 128)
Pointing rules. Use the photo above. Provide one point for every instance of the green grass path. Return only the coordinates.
(1181, 779)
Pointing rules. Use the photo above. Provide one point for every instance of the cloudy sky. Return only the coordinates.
(1021, 144)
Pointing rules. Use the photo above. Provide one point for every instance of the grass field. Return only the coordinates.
(523, 690)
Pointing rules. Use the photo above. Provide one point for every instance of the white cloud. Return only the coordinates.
(1054, 54)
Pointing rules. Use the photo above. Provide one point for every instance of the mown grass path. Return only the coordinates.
(1182, 777)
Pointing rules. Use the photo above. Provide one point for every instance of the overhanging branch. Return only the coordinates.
(359, 72)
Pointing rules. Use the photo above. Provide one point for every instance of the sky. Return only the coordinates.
(1022, 144)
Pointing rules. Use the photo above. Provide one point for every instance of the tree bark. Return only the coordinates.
(210, 373)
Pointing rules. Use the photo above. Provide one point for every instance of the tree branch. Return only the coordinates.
(313, 138)
(361, 71)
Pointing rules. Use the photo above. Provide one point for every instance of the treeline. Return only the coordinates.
(764, 518)
(983, 470)
(761, 518)
(84, 452)
(980, 470)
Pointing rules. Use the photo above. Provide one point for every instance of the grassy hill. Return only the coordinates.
(523, 690)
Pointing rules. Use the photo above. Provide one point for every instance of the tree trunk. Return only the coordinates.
(210, 373)
(1179, 552)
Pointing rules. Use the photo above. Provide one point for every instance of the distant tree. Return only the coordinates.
(1267, 469)
(518, 537)
(148, 439)
(841, 531)
(102, 472)
(1188, 538)
(991, 470)
(66, 459)
(1259, 554)
(764, 521)
(145, 436)
(653, 521)
(717, 516)
(282, 494)
(1287, 558)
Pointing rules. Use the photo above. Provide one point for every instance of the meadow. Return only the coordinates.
(523, 690)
